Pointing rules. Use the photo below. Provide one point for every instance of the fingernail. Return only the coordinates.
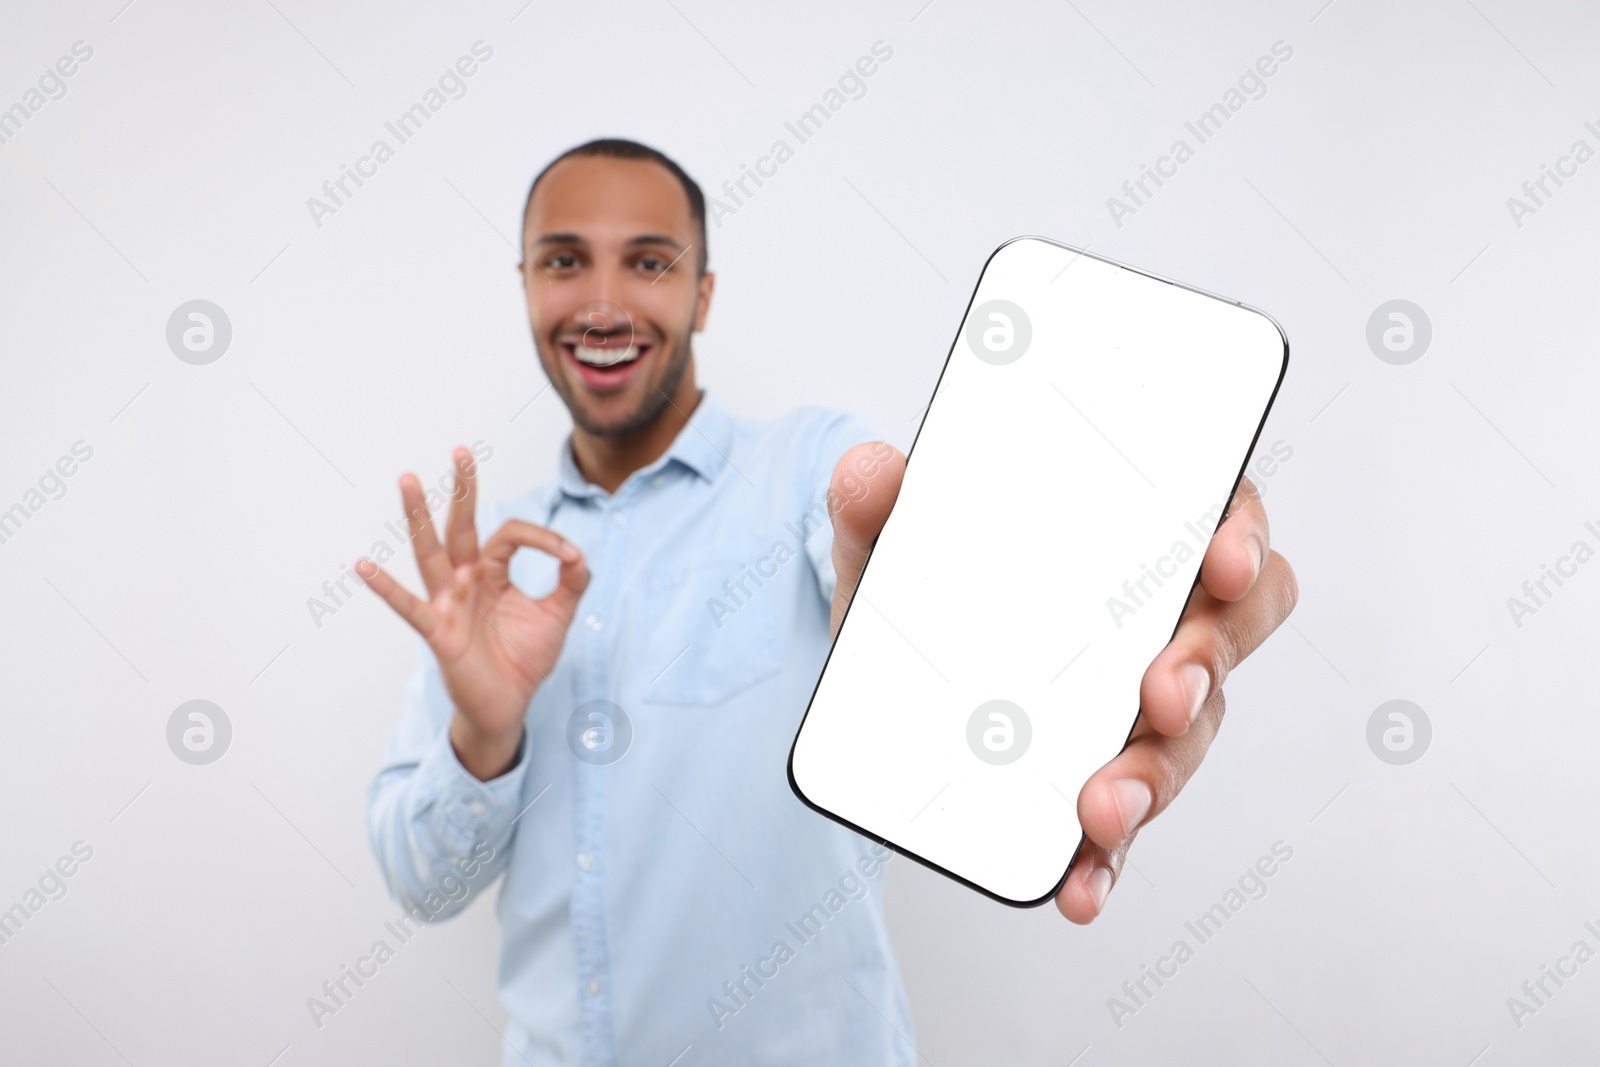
(1196, 683)
(1099, 884)
(1258, 549)
(1133, 803)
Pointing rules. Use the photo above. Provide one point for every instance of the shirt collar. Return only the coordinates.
(701, 446)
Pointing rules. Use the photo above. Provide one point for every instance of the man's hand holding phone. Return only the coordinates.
(494, 644)
(1246, 591)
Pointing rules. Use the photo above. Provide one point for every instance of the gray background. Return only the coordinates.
(177, 566)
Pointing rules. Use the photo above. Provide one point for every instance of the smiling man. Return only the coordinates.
(588, 721)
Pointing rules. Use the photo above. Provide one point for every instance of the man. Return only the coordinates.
(680, 900)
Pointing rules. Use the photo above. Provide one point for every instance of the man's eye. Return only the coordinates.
(561, 261)
(652, 265)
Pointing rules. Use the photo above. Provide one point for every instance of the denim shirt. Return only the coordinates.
(666, 895)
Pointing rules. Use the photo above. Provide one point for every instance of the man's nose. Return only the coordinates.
(608, 284)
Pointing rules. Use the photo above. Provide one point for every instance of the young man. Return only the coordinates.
(688, 569)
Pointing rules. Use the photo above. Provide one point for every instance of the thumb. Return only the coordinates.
(865, 485)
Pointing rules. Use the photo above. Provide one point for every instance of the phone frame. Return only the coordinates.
(1227, 511)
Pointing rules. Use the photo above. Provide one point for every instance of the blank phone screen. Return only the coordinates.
(1082, 445)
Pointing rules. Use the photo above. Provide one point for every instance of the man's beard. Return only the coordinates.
(676, 358)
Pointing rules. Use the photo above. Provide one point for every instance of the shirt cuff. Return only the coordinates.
(461, 810)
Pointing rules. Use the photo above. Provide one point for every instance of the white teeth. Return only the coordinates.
(600, 357)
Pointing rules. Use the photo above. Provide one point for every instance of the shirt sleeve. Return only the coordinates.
(839, 433)
(439, 834)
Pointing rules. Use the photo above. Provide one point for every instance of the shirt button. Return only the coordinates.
(594, 987)
(476, 807)
(616, 518)
(592, 622)
(585, 862)
(659, 480)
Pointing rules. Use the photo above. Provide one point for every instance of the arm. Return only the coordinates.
(441, 811)
(1246, 590)
(440, 835)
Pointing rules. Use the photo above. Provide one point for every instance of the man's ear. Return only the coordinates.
(708, 282)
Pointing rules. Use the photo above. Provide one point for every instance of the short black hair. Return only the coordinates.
(619, 148)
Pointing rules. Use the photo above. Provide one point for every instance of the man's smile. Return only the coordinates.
(605, 363)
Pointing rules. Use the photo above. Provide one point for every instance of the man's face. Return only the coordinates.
(614, 293)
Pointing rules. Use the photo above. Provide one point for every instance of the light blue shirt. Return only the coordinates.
(678, 901)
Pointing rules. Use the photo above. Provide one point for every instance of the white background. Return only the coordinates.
(1418, 498)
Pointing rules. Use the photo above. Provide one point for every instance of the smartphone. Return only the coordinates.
(1084, 440)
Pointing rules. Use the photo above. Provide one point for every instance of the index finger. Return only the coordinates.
(461, 530)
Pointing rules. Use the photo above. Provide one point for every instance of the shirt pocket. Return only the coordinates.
(711, 623)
